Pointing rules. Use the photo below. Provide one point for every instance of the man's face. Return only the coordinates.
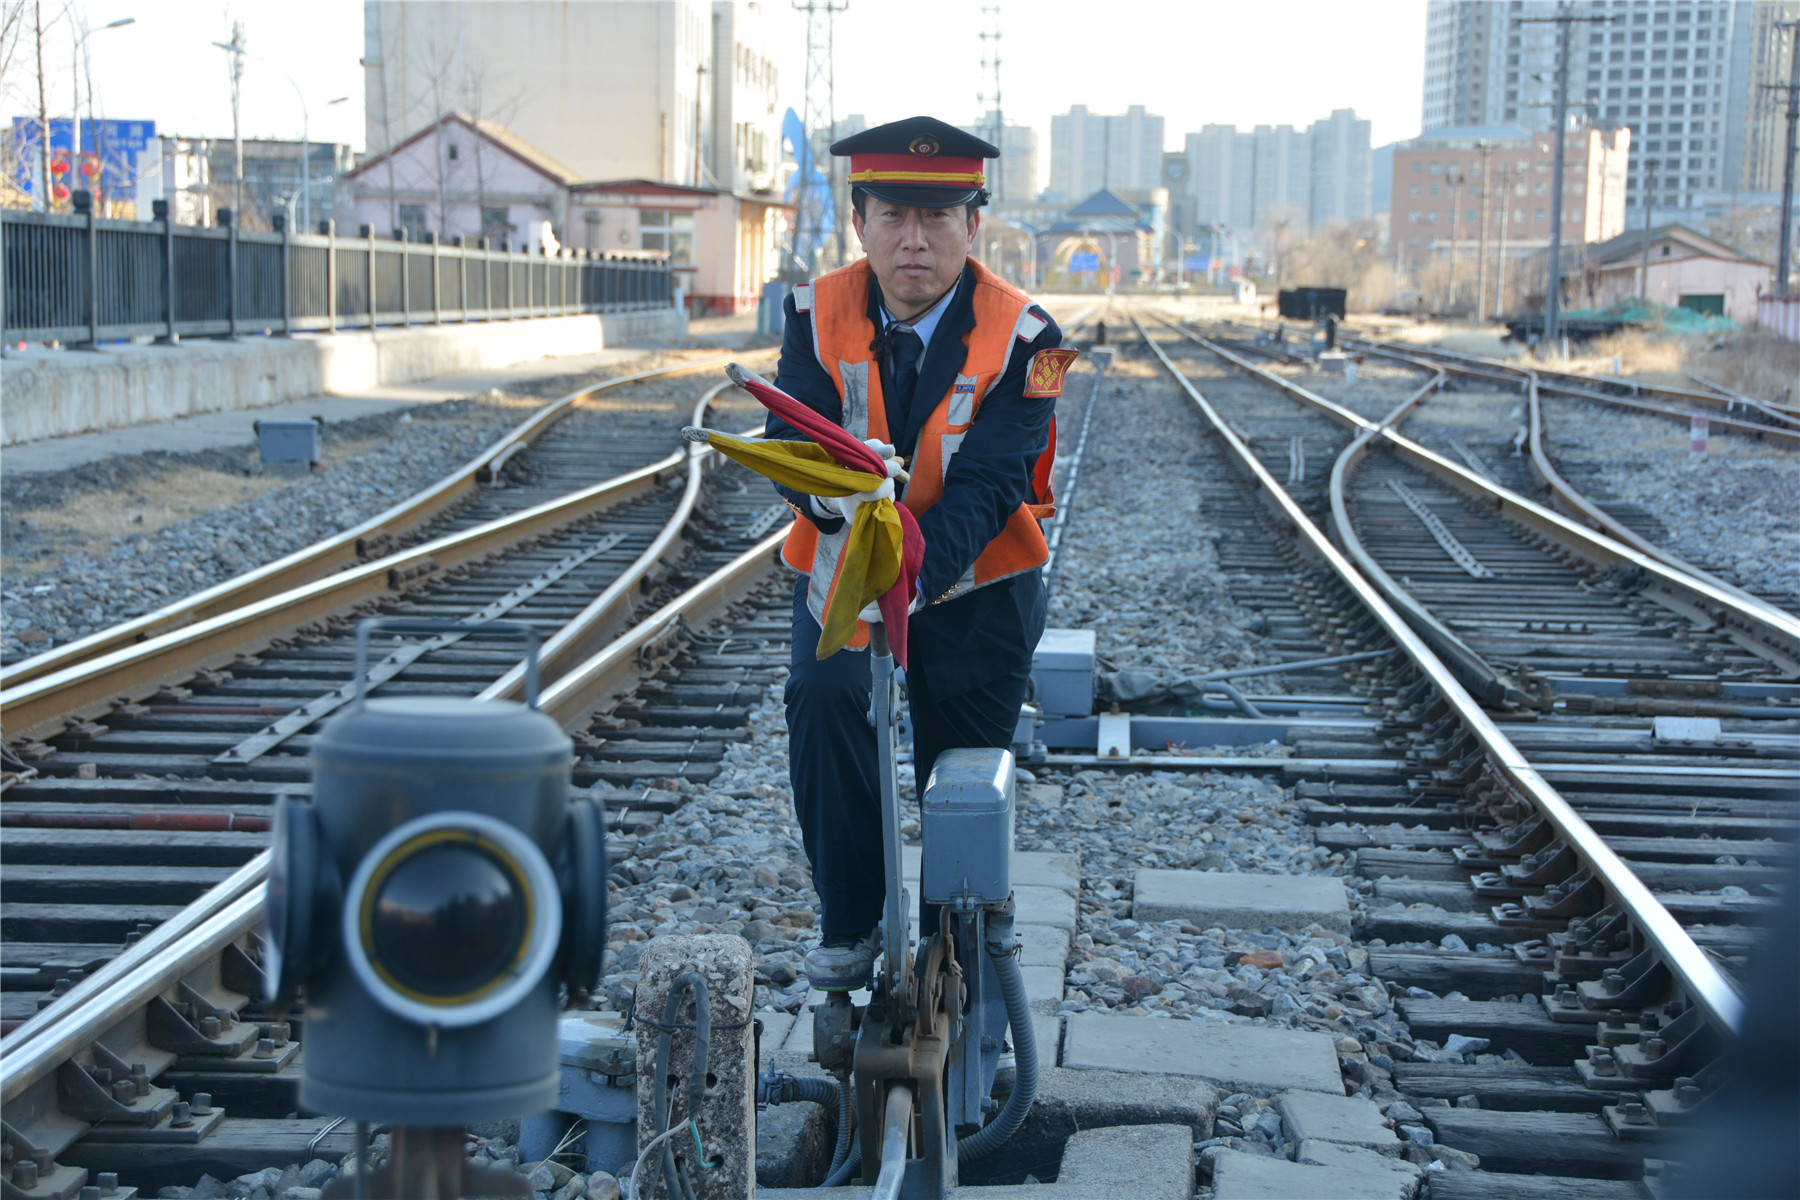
(916, 253)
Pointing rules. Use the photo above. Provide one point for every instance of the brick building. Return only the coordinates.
(1453, 182)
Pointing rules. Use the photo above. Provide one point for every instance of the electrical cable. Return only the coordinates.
(690, 981)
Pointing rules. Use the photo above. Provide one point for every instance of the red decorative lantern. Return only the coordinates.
(59, 166)
(60, 192)
(90, 166)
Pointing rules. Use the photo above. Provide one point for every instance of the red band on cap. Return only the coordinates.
(908, 168)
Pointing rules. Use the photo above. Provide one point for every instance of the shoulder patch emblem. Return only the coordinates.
(1044, 377)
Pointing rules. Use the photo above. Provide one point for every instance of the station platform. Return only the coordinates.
(226, 429)
(222, 430)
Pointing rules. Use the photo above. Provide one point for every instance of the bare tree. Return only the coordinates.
(1346, 256)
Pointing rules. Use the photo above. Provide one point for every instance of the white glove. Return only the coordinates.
(872, 612)
(895, 469)
(846, 505)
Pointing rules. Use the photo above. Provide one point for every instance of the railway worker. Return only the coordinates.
(918, 347)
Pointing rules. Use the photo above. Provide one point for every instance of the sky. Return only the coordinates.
(1194, 62)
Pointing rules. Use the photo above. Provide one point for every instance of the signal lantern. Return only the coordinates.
(431, 897)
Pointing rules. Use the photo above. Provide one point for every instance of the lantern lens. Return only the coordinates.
(452, 918)
(450, 921)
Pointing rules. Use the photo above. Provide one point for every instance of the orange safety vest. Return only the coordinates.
(842, 331)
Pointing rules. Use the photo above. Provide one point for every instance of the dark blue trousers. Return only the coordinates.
(831, 761)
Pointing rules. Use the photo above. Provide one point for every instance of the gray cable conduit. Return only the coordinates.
(1018, 1016)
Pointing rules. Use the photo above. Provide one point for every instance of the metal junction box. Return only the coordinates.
(966, 824)
(288, 441)
(1062, 672)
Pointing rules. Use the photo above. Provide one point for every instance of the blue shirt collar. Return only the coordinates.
(927, 324)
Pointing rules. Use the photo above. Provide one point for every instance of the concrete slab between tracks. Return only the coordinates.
(1127, 1162)
(1236, 900)
(1323, 1170)
(1252, 1058)
(56, 394)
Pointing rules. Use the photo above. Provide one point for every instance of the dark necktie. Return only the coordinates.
(906, 348)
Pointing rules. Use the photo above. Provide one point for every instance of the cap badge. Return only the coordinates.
(924, 147)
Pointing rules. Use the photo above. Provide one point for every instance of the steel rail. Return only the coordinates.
(89, 688)
(331, 554)
(234, 907)
(1786, 417)
(1754, 624)
(1704, 983)
(39, 707)
(83, 1015)
(611, 673)
(1565, 493)
(574, 640)
(1582, 386)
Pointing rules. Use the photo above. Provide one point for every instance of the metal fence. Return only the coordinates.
(81, 278)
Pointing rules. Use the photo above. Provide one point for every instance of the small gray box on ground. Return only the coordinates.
(1235, 900)
(1062, 672)
(280, 441)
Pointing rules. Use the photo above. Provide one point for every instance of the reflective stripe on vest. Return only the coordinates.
(842, 333)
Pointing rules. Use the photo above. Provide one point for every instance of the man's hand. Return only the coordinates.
(846, 505)
(896, 468)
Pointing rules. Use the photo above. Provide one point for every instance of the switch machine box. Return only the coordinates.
(1062, 673)
(966, 825)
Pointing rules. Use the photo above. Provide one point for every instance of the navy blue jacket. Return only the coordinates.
(977, 637)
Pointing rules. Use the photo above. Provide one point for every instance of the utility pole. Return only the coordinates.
(1508, 180)
(1455, 181)
(1650, 165)
(699, 116)
(990, 62)
(1784, 260)
(1564, 18)
(235, 48)
(1481, 262)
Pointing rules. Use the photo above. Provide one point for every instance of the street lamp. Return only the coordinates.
(75, 88)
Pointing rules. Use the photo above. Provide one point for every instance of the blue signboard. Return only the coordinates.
(1196, 262)
(106, 161)
(1084, 262)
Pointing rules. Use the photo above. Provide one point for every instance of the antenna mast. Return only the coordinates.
(990, 66)
(819, 130)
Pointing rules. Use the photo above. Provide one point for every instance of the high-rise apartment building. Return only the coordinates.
(1771, 63)
(1275, 174)
(1678, 73)
(1340, 169)
(1012, 178)
(693, 101)
(1090, 151)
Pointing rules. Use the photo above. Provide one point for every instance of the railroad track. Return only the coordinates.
(1606, 824)
(135, 845)
(1727, 412)
(567, 453)
(1522, 456)
(1503, 806)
